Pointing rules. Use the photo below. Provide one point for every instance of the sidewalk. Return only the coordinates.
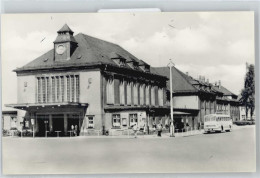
(140, 135)
(164, 135)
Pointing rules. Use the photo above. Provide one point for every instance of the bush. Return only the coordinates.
(27, 133)
(5, 132)
(17, 133)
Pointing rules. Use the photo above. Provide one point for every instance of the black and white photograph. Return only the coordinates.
(136, 92)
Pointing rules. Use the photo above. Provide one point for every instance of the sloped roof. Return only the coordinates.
(223, 90)
(141, 62)
(90, 51)
(180, 81)
(65, 28)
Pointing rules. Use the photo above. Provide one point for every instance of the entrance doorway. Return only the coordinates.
(73, 119)
(42, 124)
(58, 123)
(179, 123)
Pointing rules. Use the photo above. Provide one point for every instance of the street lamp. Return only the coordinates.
(32, 121)
(170, 65)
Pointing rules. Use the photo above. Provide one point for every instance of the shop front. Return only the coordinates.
(58, 123)
(54, 120)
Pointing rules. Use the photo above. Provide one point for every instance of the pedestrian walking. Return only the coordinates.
(144, 129)
(187, 127)
(76, 130)
(135, 130)
(72, 129)
(154, 127)
(159, 128)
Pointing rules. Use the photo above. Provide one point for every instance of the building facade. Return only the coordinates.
(227, 102)
(195, 98)
(90, 84)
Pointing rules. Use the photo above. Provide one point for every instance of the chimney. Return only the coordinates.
(187, 73)
(200, 78)
(216, 83)
(203, 78)
(207, 81)
(219, 83)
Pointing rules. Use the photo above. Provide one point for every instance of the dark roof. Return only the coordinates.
(65, 28)
(223, 90)
(180, 81)
(90, 51)
(141, 63)
(185, 83)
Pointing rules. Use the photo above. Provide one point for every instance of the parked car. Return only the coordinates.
(244, 122)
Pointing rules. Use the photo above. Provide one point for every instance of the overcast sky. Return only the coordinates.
(216, 44)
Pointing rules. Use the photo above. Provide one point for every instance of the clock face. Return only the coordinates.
(60, 49)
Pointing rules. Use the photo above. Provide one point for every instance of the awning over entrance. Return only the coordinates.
(181, 113)
(26, 106)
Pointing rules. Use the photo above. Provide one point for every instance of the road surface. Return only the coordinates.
(219, 152)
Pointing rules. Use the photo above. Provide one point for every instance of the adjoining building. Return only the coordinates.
(227, 102)
(9, 120)
(195, 98)
(91, 84)
(13, 120)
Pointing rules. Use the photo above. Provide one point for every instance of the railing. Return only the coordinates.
(187, 132)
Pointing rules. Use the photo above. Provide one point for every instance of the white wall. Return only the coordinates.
(7, 122)
(90, 91)
(186, 102)
(26, 94)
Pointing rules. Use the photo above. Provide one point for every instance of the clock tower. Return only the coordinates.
(64, 45)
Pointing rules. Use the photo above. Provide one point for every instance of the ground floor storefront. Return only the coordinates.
(77, 120)
(58, 119)
(62, 124)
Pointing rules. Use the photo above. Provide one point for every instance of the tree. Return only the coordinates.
(248, 93)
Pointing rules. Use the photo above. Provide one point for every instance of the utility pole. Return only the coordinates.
(32, 121)
(170, 65)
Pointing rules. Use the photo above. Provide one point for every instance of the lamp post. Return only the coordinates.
(32, 121)
(170, 65)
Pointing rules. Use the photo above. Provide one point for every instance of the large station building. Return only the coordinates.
(92, 84)
(98, 86)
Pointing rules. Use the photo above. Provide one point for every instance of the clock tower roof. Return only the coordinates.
(65, 34)
(65, 28)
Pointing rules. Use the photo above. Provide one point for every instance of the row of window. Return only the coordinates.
(207, 105)
(117, 121)
(214, 118)
(128, 93)
(234, 110)
(222, 107)
(57, 89)
(223, 119)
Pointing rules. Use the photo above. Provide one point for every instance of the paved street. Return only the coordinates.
(218, 152)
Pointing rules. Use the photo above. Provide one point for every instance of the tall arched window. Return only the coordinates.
(129, 93)
(141, 94)
(110, 91)
(147, 95)
(160, 96)
(135, 93)
(122, 92)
